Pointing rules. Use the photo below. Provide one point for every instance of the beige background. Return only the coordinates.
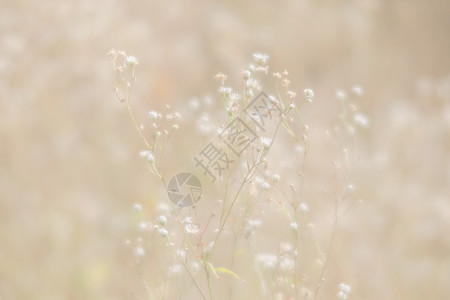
(69, 169)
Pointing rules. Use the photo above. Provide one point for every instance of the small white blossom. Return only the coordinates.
(195, 267)
(266, 142)
(153, 115)
(269, 261)
(276, 178)
(351, 187)
(176, 269)
(132, 60)
(148, 155)
(246, 74)
(143, 226)
(287, 248)
(273, 99)
(266, 186)
(163, 207)
(345, 288)
(251, 226)
(208, 249)
(291, 94)
(137, 207)
(222, 77)
(358, 90)
(287, 264)
(361, 120)
(181, 254)
(309, 94)
(294, 226)
(261, 58)
(298, 148)
(188, 220)
(162, 220)
(225, 91)
(163, 232)
(254, 223)
(252, 84)
(234, 97)
(191, 228)
(139, 252)
(341, 94)
(344, 291)
(194, 104)
(304, 207)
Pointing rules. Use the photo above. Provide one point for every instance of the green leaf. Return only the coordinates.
(227, 271)
(213, 269)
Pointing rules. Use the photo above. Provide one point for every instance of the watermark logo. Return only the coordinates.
(237, 137)
(185, 189)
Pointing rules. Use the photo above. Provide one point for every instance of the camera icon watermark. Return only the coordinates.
(184, 189)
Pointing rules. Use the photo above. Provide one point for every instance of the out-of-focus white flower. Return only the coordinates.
(162, 220)
(181, 254)
(351, 187)
(188, 220)
(291, 94)
(261, 58)
(286, 248)
(266, 142)
(251, 226)
(287, 264)
(235, 97)
(294, 226)
(195, 267)
(272, 99)
(304, 207)
(148, 155)
(252, 83)
(265, 186)
(309, 94)
(163, 232)
(225, 90)
(246, 74)
(341, 94)
(361, 120)
(344, 291)
(163, 207)
(139, 252)
(137, 207)
(132, 60)
(143, 226)
(269, 261)
(222, 77)
(176, 269)
(194, 103)
(254, 223)
(276, 178)
(153, 115)
(358, 90)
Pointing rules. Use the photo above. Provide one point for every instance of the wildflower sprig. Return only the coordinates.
(192, 241)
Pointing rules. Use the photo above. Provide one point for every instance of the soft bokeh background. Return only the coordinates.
(69, 169)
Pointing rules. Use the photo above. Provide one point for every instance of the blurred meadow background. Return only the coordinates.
(69, 165)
